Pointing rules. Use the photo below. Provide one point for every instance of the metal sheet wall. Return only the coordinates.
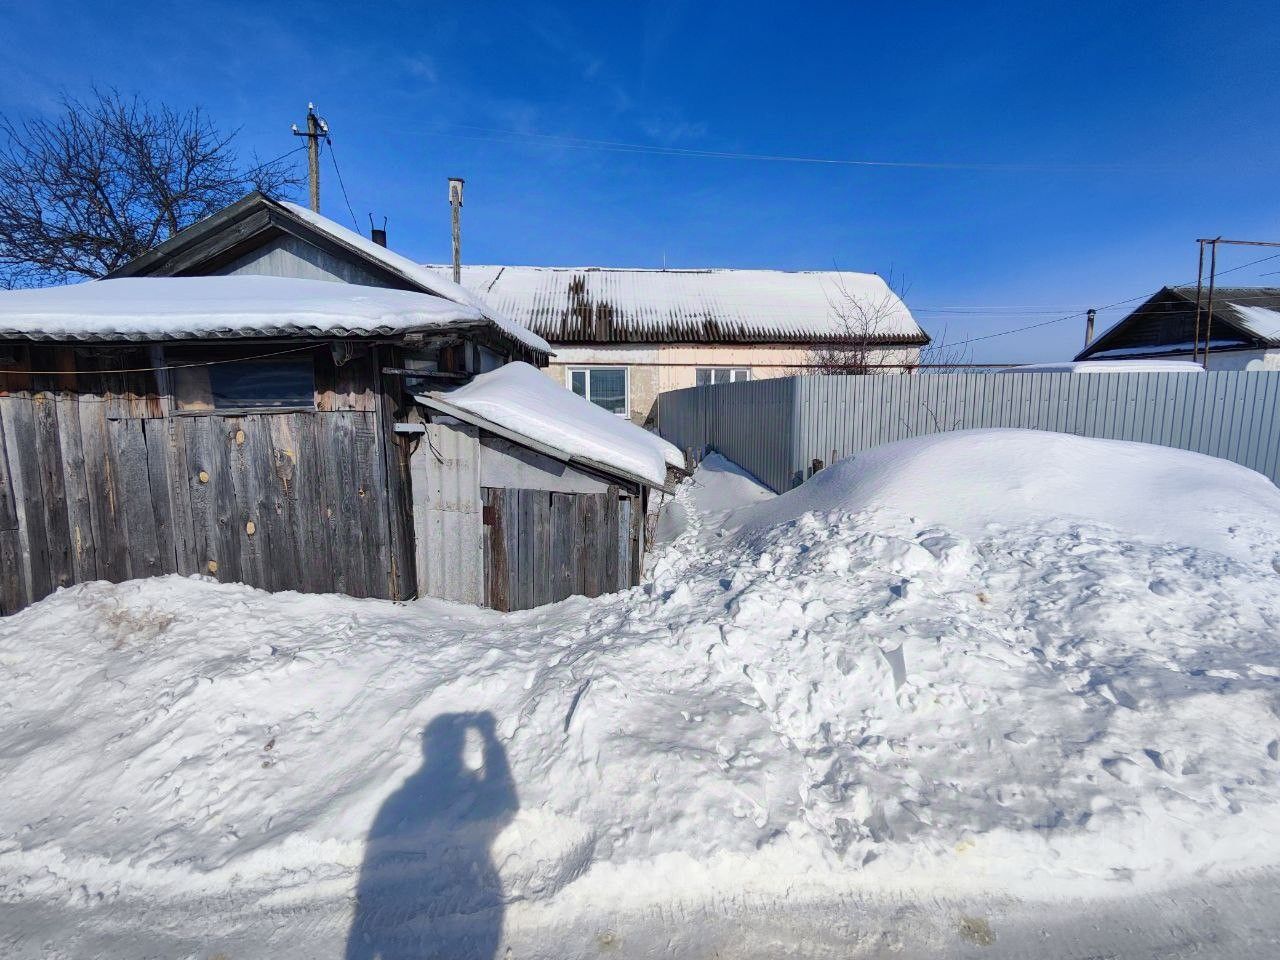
(776, 428)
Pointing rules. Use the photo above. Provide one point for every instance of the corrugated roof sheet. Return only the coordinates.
(168, 308)
(616, 305)
(1254, 310)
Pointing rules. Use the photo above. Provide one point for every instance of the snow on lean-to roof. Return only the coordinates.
(159, 308)
(432, 280)
(606, 304)
(1109, 366)
(518, 398)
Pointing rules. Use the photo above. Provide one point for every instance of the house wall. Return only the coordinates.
(654, 369)
(101, 479)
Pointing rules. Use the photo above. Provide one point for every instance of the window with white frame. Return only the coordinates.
(604, 386)
(708, 375)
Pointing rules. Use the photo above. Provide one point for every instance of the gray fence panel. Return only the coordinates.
(777, 428)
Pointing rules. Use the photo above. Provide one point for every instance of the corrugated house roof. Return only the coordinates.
(616, 305)
(1243, 318)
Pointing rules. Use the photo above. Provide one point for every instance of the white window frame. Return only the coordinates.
(733, 373)
(626, 383)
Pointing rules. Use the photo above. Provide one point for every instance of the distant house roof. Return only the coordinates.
(1243, 318)
(218, 240)
(570, 305)
(166, 308)
(1108, 366)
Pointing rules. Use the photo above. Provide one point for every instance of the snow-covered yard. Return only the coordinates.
(895, 712)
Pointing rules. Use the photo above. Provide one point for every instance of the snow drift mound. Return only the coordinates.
(973, 480)
(843, 700)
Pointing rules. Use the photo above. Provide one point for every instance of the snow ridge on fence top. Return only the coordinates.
(580, 304)
(161, 308)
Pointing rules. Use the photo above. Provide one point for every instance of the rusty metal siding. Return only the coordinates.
(775, 429)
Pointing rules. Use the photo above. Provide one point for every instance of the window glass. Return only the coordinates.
(609, 389)
(605, 386)
(706, 375)
(277, 382)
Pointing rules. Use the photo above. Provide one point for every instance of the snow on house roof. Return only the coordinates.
(162, 308)
(431, 280)
(606, 304)
(517, 398)
(1109, 366)
(1260, 321)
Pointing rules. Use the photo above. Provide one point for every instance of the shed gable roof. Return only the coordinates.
(1243, 317)
(614, 305)
(220, 239)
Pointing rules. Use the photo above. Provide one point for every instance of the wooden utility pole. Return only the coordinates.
(455, 201)
(316, 128)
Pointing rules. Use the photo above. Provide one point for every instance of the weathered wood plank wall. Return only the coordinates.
(101, 486)
(541, 546)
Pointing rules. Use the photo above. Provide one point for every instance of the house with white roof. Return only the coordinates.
(1243, 332)
(622, 336)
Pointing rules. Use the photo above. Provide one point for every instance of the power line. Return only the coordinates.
(1110, 306)
(333, 158)
(495, 135)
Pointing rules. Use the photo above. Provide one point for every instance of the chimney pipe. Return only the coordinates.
(1088, 326)
(378, 234)
(455, 201)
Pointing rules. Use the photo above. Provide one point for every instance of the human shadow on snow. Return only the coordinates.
(428, 885)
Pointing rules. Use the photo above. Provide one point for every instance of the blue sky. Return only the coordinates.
(1080, 148)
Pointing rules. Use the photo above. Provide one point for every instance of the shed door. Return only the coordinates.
(540, 547)
(445, 473)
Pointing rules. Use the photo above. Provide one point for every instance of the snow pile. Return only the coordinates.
(718, 486)
(975, 482)
(155, 308)
(1109, 366)
(521, 399)
(975, 680)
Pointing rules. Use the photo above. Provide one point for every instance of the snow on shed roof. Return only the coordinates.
(607, 304)
(518, 398)
(162, 308)
(432, 280)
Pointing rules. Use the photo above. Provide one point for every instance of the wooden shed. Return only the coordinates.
(261, 430)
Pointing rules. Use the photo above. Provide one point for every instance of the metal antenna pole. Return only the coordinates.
(1195, 343)
(1208, 322)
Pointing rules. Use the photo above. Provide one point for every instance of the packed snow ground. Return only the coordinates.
(886, 714)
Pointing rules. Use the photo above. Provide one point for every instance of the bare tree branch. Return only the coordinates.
(105, 181)
(861, 324)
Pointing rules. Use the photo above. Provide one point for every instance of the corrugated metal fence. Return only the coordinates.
(777, 428)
